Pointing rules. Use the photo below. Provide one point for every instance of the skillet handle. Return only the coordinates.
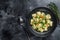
(23, 21)
(23, 24)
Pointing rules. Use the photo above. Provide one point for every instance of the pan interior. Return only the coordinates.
(45, 10)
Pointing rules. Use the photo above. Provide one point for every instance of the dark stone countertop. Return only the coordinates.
(10, 10)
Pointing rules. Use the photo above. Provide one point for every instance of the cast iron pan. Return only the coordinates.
(50, 30)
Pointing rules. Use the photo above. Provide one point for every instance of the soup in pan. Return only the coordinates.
(41, 21)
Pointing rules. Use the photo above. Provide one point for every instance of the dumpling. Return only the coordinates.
(37, 20)
(51, 23)
(40, 19)
(48, 16)
(40, 25)
(43, 21)
(38, 13)
(48, 21)
(43, 14)
(34, 26)
(46, 28)
(33, 15)
(31, 21)
(41, 30)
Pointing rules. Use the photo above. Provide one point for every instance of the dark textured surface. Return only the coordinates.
(10, 29)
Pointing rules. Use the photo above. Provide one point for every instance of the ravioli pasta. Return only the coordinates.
(41, 21)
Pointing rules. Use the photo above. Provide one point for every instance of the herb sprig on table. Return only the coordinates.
(54, 7)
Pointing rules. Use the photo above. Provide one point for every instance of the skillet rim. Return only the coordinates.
(42, 34)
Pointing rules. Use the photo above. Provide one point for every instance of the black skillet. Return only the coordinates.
(50, 30)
